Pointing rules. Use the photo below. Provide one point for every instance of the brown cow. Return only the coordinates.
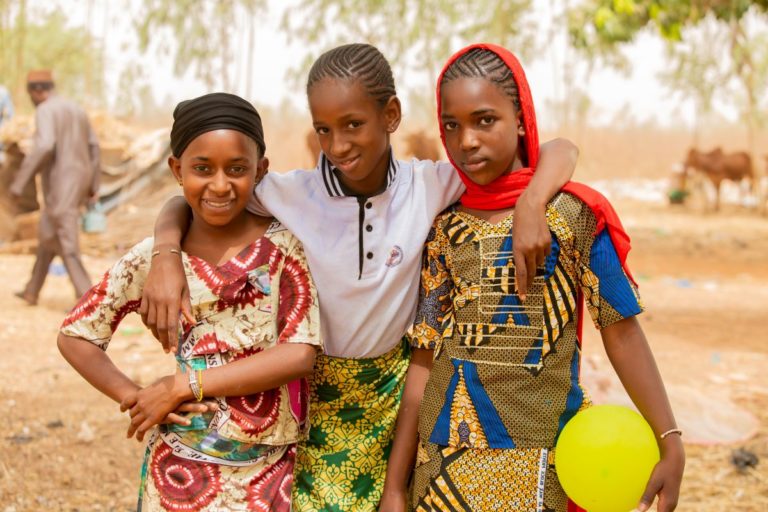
(718, 166)
(422, 146)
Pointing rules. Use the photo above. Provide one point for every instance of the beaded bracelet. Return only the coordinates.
(671, 431)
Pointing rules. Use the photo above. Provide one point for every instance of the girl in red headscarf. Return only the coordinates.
(494, 376)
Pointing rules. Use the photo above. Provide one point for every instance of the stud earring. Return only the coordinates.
(521, 131)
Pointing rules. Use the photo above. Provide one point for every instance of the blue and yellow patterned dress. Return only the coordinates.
(505, 378)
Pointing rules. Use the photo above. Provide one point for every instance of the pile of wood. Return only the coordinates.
(132, 160)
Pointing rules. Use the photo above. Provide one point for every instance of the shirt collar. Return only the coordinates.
(331, 180)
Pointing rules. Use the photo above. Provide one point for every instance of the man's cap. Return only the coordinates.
(40, 76)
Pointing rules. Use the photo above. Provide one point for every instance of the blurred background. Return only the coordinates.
(667, 101)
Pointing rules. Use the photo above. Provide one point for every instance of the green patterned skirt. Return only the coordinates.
(353, 409)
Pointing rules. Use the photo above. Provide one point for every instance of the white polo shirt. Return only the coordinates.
(364, 253)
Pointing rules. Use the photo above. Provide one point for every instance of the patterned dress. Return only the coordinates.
(505, 378)
(242, 456)
(353, 409)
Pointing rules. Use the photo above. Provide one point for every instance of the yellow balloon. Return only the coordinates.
(604, 457)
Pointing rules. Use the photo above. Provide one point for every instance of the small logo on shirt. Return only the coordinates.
(395, 256)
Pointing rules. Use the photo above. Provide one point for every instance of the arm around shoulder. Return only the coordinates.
(166, 292)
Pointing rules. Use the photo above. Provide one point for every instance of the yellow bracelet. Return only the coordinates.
(671, 431)
(200, 384)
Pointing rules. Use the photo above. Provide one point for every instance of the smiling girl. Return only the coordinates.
(251, 347)
(362, 216)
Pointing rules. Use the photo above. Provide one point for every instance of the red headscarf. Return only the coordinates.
(504, 191)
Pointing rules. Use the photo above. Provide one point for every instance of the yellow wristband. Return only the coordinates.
(200, 385)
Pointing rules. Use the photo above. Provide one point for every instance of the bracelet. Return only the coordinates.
(196, 384)
(156, 252)
(671, 431)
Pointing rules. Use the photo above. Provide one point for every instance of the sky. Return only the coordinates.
(638, 95)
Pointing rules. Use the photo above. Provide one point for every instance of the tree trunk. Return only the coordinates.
(21, 28)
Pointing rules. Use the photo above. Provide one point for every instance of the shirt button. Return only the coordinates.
(369, 255)
(369, 205)
(369, 228)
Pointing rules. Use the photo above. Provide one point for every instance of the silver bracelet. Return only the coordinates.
(671, 431)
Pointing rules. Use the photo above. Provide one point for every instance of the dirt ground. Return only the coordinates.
(704, 280)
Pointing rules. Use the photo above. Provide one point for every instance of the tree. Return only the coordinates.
(413, 35)
(48, 42)
(599, 27)
(199, 35)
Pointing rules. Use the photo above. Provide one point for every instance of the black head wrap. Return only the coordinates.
(215, 111)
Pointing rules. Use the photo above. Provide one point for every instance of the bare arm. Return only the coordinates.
(96, 367)
(264, 370)
(401, 460)
(166, 292)
(530, 233)
(633, 361)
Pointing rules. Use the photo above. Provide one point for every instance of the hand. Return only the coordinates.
(152, 405)
(165, 294)
(666, 477)
(393, 501)
(531, 241)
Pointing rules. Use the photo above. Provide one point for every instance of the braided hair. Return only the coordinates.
(356, 61)
(482, 63)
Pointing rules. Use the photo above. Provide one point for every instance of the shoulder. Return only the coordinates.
(137, 260)
(567, 205)
(435, 170)
(287, 182)
(442, 223)
(283, 238)
(578, 206)
(142, 250)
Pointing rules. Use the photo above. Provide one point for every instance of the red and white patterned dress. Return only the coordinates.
(242, 456)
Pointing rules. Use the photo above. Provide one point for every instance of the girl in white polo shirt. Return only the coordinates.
(362, 217)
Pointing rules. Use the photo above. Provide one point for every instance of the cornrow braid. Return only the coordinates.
(482, 63)
(357, 62)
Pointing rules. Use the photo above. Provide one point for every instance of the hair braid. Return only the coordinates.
(357, 61)
(481, 63)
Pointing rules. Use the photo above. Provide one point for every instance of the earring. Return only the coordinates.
(180, 183)
(521, 131)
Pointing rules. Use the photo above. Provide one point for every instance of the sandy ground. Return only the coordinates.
(704, 280)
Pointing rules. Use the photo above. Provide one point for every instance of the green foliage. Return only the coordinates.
(606, 23)
(705, 66)
(413, 35)
(48, 42)
(198, 34)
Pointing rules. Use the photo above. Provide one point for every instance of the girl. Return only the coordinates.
(493, 380)
(251, 348)
(363, 217)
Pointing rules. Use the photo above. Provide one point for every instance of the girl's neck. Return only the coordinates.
(219, 244)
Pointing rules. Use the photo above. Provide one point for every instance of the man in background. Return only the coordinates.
(66, 154)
